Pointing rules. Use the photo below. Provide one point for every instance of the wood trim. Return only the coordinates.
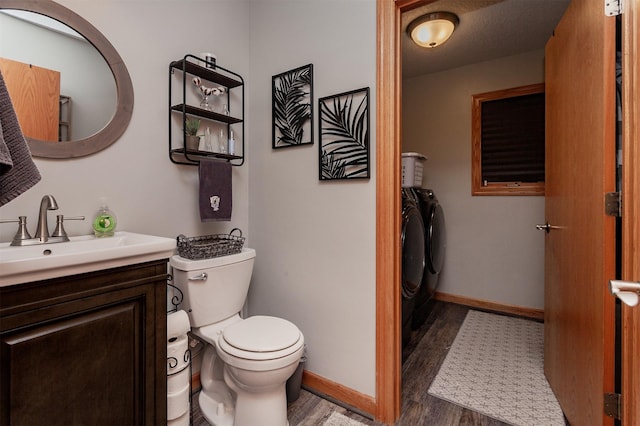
(195, 382)
(536, 314)
(388, 220)
(339, 392)
(388, 211)
(524, 188)
(501, 189)
(406, 5)
(631, 211)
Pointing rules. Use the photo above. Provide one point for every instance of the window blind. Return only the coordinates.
(513, 139)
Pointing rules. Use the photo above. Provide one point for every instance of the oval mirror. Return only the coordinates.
(85, 119)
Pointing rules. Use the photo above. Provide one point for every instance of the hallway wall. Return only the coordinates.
(494, 252)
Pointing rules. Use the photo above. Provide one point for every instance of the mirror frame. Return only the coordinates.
(124, 88)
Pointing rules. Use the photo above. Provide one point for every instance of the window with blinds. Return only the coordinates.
(508, 142)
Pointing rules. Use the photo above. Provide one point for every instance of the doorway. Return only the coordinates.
(388, 398)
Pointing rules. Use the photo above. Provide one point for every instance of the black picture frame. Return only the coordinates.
(344, 136)
(292, 108)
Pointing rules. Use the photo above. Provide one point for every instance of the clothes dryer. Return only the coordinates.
(413, 259)
(435, 234)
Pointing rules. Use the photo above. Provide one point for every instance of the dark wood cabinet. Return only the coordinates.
(85, 349)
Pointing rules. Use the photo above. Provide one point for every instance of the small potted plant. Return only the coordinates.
(192, 140)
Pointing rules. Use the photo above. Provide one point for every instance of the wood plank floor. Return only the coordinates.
(422, 357)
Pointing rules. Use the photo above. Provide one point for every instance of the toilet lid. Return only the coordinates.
(261, 334)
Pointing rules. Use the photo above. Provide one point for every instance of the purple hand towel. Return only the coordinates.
(215, 190)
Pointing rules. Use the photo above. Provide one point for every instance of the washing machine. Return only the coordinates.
(435, 235)
(413, 259)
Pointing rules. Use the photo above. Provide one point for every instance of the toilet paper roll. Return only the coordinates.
(178, 381)
(177, 324)
(183, 420)
(177, 403)
(177, 356)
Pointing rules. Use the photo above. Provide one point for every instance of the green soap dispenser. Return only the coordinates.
(104, 223)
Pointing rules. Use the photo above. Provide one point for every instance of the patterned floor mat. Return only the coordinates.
(495, 367)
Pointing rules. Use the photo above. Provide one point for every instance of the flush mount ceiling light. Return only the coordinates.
(432, 29)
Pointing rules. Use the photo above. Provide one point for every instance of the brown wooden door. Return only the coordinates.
(35, 94)
(580, 247)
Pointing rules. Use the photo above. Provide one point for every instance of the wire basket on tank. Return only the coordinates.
(209, 246)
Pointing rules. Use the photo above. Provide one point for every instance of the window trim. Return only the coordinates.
(501, 188)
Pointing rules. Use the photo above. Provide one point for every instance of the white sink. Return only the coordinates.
(81, 254)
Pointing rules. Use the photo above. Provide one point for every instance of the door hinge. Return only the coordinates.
(613, 405)
(613, 7)
(613, 204)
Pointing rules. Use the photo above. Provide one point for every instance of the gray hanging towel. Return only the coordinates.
(18, 172)
(215, 190)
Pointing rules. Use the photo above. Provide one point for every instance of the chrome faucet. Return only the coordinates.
(42, 231)
(42, 236)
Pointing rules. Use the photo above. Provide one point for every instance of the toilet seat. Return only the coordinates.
(210, 333)
(261, 338)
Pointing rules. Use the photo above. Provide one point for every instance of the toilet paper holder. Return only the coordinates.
(179, 366)
(176, 295)
(174, 405)
(178, 360)
(173, 362)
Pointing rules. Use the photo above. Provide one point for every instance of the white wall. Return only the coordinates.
(315, 240)
(494, 252)
(148, 193)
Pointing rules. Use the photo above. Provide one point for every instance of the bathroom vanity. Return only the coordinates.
(88, 348)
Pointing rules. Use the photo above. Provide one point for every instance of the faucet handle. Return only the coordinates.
(23, 233)
(59, 231)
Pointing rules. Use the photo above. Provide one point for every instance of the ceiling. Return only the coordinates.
(488, 29)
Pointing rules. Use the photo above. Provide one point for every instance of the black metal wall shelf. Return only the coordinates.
(207, 73)
(206, 154)
(190, 65)
(203, 113)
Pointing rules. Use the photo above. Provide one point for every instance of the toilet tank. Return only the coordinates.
(213, 289)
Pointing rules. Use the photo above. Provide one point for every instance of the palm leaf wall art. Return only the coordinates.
(292, 107)
(344, 135)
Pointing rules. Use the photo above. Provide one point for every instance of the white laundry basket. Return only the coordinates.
(412, 169)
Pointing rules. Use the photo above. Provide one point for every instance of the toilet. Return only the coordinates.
(246, 361)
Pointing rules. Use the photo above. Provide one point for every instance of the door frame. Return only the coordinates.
(388, 214)
(630, 210)
(388, 208)
(388, 220)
